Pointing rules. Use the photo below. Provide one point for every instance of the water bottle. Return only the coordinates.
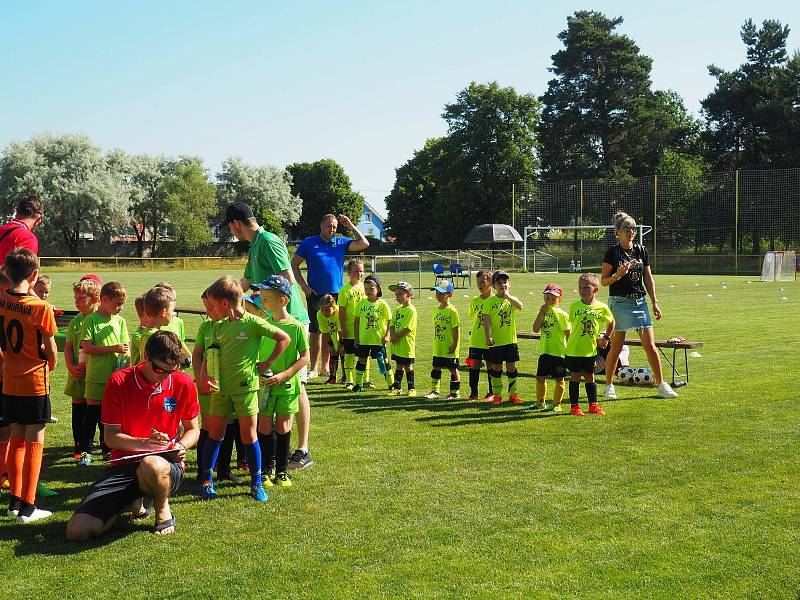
(578, 268)
(122, 361)
(381, 358)
(571, 266)
(212, 365)
(264, 390)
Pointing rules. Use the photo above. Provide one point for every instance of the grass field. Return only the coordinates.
(410, 498)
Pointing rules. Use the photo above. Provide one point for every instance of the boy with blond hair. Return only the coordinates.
(350, 295)
(237, 335)
(553, 322)
(86, 293)
(501, 337)
(104, 340)
(29, 353)
(446, 338)
(588, 317)
(402, 334)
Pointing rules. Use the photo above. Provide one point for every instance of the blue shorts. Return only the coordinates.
(630, 313)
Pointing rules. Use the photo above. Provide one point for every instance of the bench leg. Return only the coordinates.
(676, 383)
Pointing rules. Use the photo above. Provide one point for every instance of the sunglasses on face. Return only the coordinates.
(162, 371)
(629, 229)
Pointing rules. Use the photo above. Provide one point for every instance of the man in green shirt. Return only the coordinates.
(267, 256)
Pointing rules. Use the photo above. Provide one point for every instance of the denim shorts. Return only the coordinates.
(630, 313)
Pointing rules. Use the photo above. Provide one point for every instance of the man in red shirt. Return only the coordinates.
(144, 407)
(19, 231)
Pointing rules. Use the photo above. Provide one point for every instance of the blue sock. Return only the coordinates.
(253, 454)
(210, 455)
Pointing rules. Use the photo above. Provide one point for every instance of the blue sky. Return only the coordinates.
(363, 83)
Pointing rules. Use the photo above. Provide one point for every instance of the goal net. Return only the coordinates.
(572, 247)
(779, 266)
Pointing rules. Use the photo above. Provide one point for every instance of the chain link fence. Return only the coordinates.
(717, 223)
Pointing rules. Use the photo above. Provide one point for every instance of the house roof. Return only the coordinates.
(375, 212)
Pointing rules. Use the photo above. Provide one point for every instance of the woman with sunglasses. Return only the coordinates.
(626, 270)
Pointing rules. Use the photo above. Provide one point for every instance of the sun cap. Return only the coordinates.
(402, 285)
(275, 282)
(499, 274)
(445, 287)
(255, 300)
(237, 211)
(554, 290)
(92, 277)
(374, 279)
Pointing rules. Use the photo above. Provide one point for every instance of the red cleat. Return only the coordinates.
(596, 409)
(497, 400)
(514, 399)
(487, 398)
(576, 410)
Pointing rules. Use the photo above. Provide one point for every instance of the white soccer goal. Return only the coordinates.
(779, 266)
(555, 236)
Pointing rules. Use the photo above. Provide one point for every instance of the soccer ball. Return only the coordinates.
(626, 374)
(642, 375)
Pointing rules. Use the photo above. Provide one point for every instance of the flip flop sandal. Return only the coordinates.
(164, 525)
(142, 515)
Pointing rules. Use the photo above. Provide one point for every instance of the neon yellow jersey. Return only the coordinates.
(587, 320)
(146, 334)
(136, 344)
(502, 320)
(445, 320)
(555, 324)
(330, 325)
(349, 296)
(405, 317)
(373, 321)
(477, 337)
(239, 343)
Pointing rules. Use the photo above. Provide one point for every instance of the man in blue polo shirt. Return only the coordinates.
(324, 258)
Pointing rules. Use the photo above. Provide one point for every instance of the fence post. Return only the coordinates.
(581, 223)
(513, 213)
(655, 220)
(736, 229)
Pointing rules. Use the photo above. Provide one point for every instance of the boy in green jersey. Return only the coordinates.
(478, 349)
(238, 335)
(402, 334)
(175, 324)
(87, 297)
(328, 321)
(554, 325)
(279, 397)
(158, 306)
(445, 342)
(499, 323)
(371, 327)
(349, 296)
(104, 340)
(588, 316)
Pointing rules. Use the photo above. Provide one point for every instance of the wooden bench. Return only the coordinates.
(661, 345)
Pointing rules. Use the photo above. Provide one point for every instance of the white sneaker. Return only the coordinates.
(12, 512)
(610, 392)
(37, 514)
(313, 375)
(665, 391)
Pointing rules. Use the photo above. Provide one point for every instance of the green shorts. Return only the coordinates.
(278, 405)
(205, 403)
(94, 391)
(75, 388)
(240, 405)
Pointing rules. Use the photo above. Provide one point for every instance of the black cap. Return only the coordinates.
(499, 275)
(374, 279)
(237, 211)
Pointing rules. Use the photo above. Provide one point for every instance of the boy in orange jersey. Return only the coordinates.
(27, 342)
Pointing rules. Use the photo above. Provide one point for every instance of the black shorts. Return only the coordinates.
(366, 351)
(476, 354)
(402, 360)
(501, 354)
(551, 366)
(117, 488)
(25, 410)
(580, 364)
(349, 345)
(313, 307)
(442, 362)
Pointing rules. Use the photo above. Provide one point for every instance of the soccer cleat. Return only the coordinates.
(432, 395)
(453, 396)
(52, 419)
(488, 397)
(349, 386)
(300, 460)
(556, 408)
(76, 456)
(243, 466)
(232, 477)
(331, 380)
(576, 410)
(610, 392)
(207, 491)
(258, 493)
(343, 381)
(85, 459)
(542, 405)
(355, 389)
(596, 409)
(283, 480)
(497, 400)
(472, 398)
(36, 515)
(368, 385)
(13, 507)
(394, 391)
(665, 391)
(514, 399)
(412, 393)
